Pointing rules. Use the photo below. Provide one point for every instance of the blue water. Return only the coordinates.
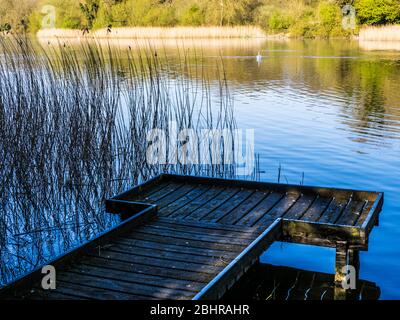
(331, 111)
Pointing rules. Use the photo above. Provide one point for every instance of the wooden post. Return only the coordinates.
(344, 257)
(341, 261)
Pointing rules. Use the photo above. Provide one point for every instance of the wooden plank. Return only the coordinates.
(185, 242)
(373, 215)
(229, 205)
(210, 225)
(178, 234)
(153, 190)
(200, 230)
(176, 248)
(145, 269)
(317, 209)
(140, 278)
(197, 203)
(211, 205)
(186, 199)
(156, 262)
(239, 212)
(300, 207)
(175, 195)
(231, 273)
(176, 256)
(96, 293)
(40, 294)
(322, 234)
(123, 286)
(163, 192)
(285, 188)
(333, 212)
(261, 209)
(351, 213)
(279, 209)
(364, 214)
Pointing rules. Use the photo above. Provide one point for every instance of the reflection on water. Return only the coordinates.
(268, 282)
(380, 45)
(328, 110)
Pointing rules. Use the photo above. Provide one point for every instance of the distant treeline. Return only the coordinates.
(298, 18)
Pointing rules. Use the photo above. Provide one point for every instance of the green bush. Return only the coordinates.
(376, 12)
(279, 21)
(193, 16)
(163, 16)
(329, 18)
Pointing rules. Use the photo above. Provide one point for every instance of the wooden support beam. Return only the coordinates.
(345, 258)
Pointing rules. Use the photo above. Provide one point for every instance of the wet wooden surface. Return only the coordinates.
(202, 236)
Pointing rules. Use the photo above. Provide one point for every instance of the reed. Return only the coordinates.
(381, 33)
(73, 127)
(159, 33)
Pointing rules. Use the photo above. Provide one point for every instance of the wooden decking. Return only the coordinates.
(192, 238)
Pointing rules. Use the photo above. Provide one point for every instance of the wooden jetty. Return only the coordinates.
(184, 237)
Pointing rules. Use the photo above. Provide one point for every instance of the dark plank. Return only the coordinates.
(185, 242)
(178, 234)
(364, 214)
(132, 277)
(228, 206)
(210, 225)
(239, 212)
(156, 262)
(163, 192)
(201, 230)
(262, 208)
(191, 195)
(40, 294)
(317, 209)
(145, 269)
(94, 293)
(153, 190)
(174, 196)
(214, 203)
(123, 286)
(280, 208)
(334, 210)
(176, 248)
(176, 256)
(300, 207)
(197, 203)
(351, 213)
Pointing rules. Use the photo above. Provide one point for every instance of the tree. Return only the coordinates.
(376, 12)
(89, 10)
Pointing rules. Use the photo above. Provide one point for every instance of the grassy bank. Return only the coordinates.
(159, 33)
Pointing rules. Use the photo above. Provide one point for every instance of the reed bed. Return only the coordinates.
(73, 125)
(383, 33)
(159, 33)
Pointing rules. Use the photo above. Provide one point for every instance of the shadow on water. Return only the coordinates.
(269, 282)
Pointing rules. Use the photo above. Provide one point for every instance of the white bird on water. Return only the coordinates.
(259, 57)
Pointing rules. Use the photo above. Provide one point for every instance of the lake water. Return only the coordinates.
(330, 110)
(326, 113)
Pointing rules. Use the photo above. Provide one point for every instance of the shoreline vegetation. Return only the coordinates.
(225, 32)
(368, 35)
(206, 18)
